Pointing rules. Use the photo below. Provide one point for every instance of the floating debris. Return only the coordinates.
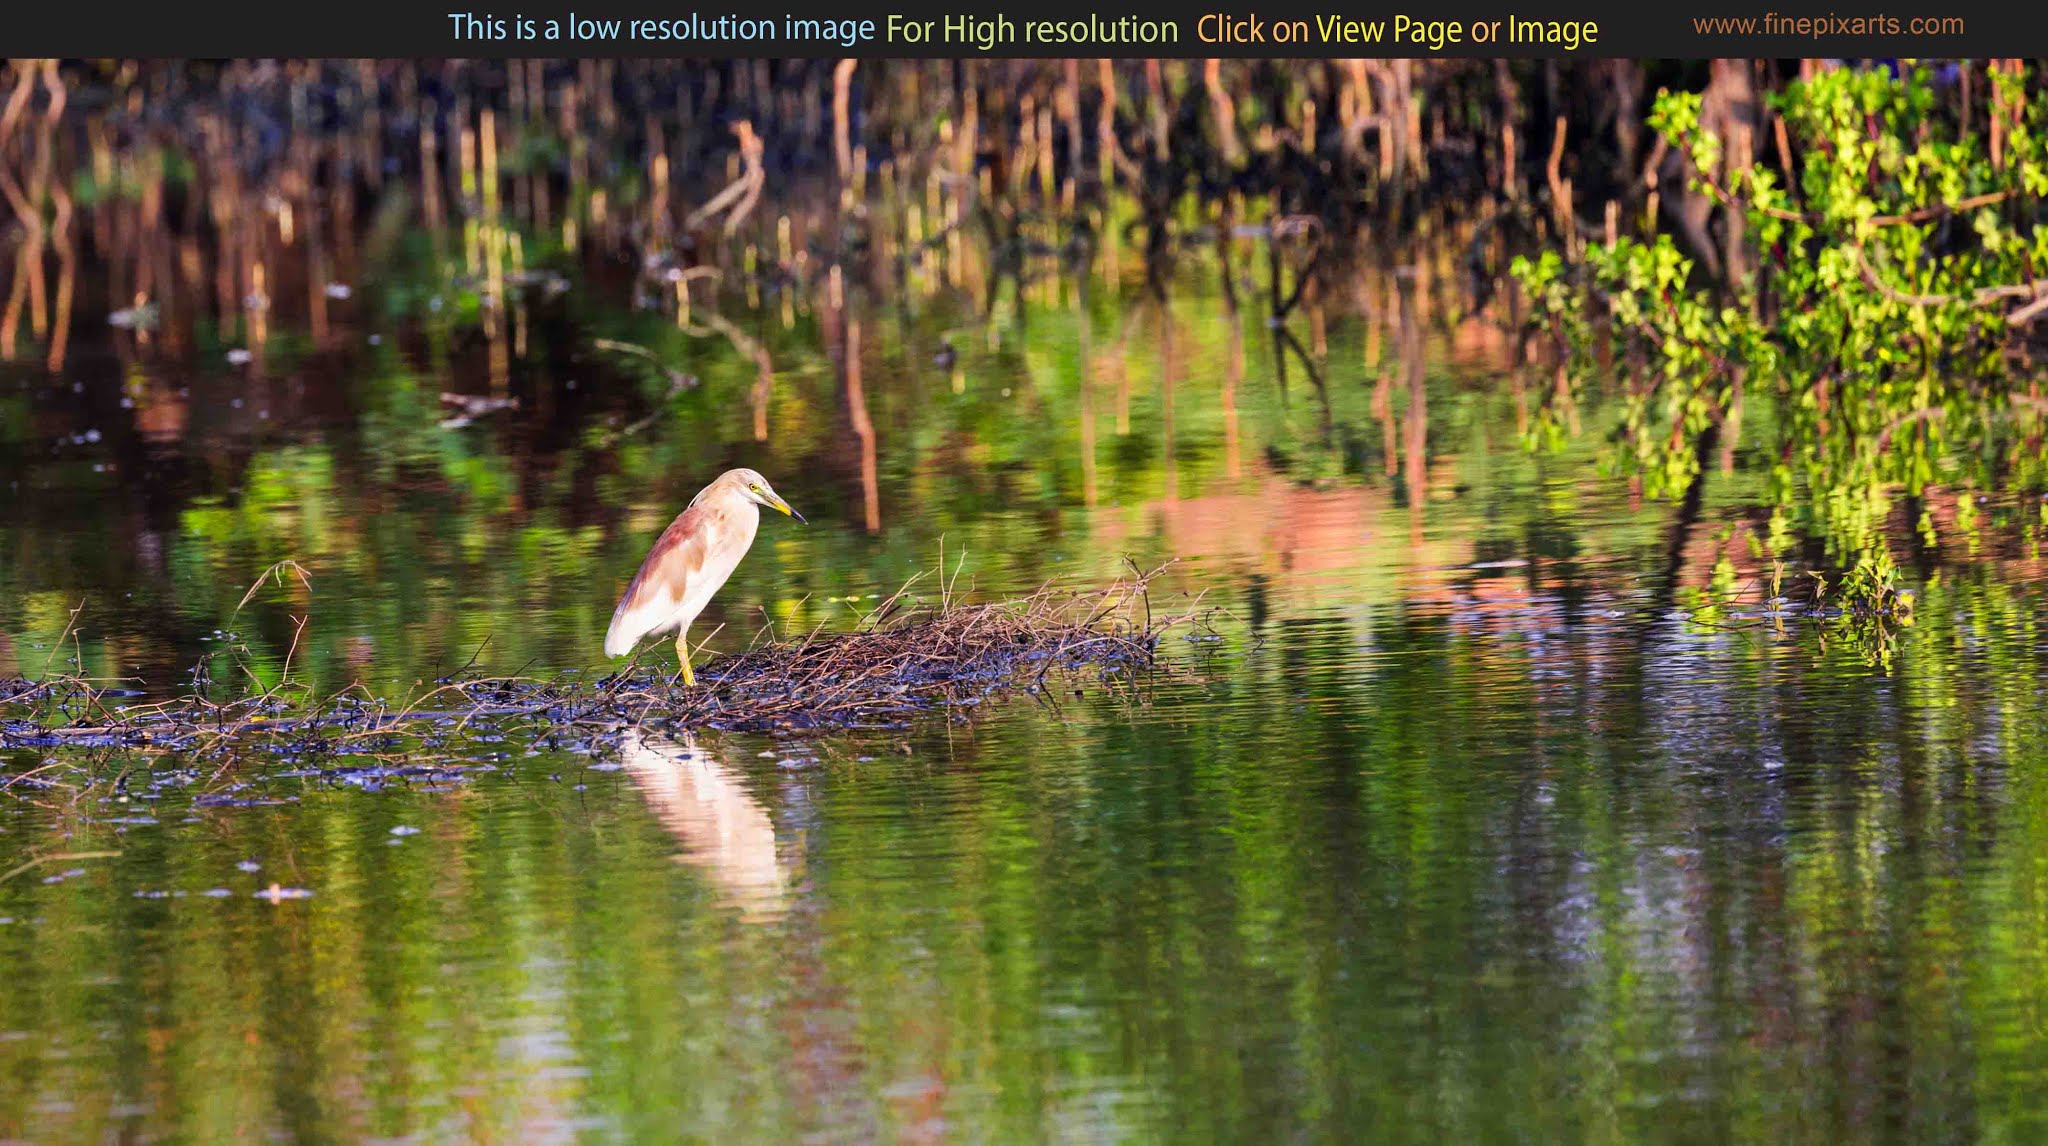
(211, 800)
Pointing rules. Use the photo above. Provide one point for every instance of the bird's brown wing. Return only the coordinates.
(657, 590)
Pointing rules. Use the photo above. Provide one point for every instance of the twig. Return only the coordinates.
(276, 570)
(56, 857)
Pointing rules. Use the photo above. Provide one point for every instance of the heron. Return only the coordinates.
(690, 561)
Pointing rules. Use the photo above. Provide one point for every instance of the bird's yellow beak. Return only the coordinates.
(784, 507)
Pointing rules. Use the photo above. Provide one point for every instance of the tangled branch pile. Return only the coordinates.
(911, 656)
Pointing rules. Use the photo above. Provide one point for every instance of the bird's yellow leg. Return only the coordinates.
(683, 655)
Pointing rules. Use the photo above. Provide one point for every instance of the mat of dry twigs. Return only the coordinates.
(913, 655)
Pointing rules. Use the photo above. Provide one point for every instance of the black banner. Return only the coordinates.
(998, 29)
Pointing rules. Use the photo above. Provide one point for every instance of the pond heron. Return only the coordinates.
(688, 563)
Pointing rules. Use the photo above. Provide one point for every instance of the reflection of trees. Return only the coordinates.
(423, 538)
(1578, 878)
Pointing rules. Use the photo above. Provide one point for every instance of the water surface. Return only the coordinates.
(1505, 808)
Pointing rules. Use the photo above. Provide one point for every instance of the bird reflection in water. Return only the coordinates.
(724, 831)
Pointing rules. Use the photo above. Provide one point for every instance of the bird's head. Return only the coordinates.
(756, 489)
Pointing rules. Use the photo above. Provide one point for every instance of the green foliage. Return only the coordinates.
(1882, 295)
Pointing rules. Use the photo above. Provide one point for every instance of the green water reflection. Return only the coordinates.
(1471, 828)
